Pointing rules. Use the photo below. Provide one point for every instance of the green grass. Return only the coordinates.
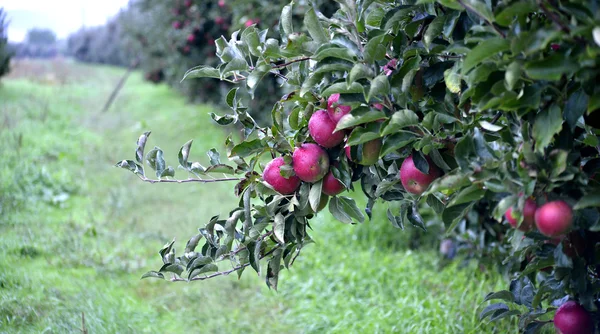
(76, 233)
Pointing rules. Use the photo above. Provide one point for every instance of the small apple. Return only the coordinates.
(219, 20)
(528, 216)
(331, 185)
(555, 47)
(390, 67)
(221, 3)
(191, 38)
(273, 177)
(572, 318)
(310, 162)
(188, 3)
(321, 128)
(334, 110)
(370, 152)
(177, 25)
(554, 218)
(248, 23)
(413, 180)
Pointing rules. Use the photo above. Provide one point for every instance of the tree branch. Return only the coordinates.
(500, 32)
(145, 179)
(291, 62)
(554, 18)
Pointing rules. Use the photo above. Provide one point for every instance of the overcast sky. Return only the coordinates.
(61, 16)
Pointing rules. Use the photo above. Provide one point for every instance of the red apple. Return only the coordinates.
(331, 185)
(321, 128)
(572, 318)
(221, 3)
(191, 38)
(248, 23)
(554, 218)
(555, 47)
(219, 20)
(334, 110)
(272, 176)
(310, 162)
(370, 152)
(413, 180)
(390, 67)
(188, 3)
(528, 216)
(177, 25)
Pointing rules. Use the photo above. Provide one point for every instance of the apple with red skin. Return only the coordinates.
(191, 38)
(188, 3)
(572, 318)
(272, 175)
(219, 20)
(370, 152)
(413, 180)
(249, 22)
(554, 218)
(321, 129)
(334, 110)
(331, 185)
(310, 162)
(528, 213)
(177, 25)
(221, 3)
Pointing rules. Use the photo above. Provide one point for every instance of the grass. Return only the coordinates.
(77, 234)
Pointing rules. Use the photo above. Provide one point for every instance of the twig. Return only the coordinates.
(291, 62)
(554, 18)
(500, 32)
(224, 273)
(496, 117)
(145, 179)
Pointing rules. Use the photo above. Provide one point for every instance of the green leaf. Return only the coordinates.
(375, 49)
(204, 269)
(335, 52)
(153, 274)
(361, 135)
(481, 8)
(452, 79)
(491, 309)
(256, 75)
(400, 120)
(279, 227)
(184, 153)
(396, 141)
(588, 201)
(453, 215)
(345, 210)
(547, 124)
(484, 50)
(247, 148)
(286, 21)
(273, 268)
(235, 65)
(141, 144)
(359, 116)
(343, 88)
(551, 68)
(514, 10)
(513, 74)
(575, 107)
(314, 197)
(380, 86)
(434, 30)
(359, 71)
(467, 195)
(202, 71)
(131, 166)
(315, 30)
(502, 295)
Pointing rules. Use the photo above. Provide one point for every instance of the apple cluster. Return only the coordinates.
(553, 219)
(311, 162)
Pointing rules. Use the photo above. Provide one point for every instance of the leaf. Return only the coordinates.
(589, 200)
(551, 68)
(202, 71)
(131, 166)
(415, 218)
(452, 79)
(575, 107)
(502, 295)
(513, 74)
(517, 8)
(184, 153)
(247, 148)
(484, 50)
(400, 119)
(279, 227)
(375, 49)
(434, 30)
(335, 52)
(435, 204)
(153, 274)
(359, 71)
(345, 210)
(343, 88)
(235, 65)
(314, 196)
(453, 215)
(420, 162)
(141, 144)
(547, 124)
(286, 20)
(491, 309)
(481, 8)
(396, 141)
(204, 269)
(254, 255)
(273, 268)
(467, 195)
(359, 116)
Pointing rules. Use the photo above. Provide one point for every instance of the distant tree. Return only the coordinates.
(5, 53)
(37, 36)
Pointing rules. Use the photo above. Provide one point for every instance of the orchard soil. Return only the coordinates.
(76, 234)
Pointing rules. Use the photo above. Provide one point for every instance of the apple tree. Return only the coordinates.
(480, 115)
(5, 53)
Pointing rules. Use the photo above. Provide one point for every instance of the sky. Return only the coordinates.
(61, 16)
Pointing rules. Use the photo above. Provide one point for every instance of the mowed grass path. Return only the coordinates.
(76, 234)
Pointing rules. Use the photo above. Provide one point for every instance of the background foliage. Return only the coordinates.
(500, 96)
(5, 53)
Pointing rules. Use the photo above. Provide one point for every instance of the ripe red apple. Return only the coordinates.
(555, 47)
(390, 67)
(248, 23)
(272, 176)
(331, 185)
(370, 152)
(188, 3)
(219, 20)
(221, 3)
(310, 162)
(554, 218)
(177, 25)
(528, 216)
(191, 38)
(572, 318)
(413, 180)
(334, 110)
(321, 128)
